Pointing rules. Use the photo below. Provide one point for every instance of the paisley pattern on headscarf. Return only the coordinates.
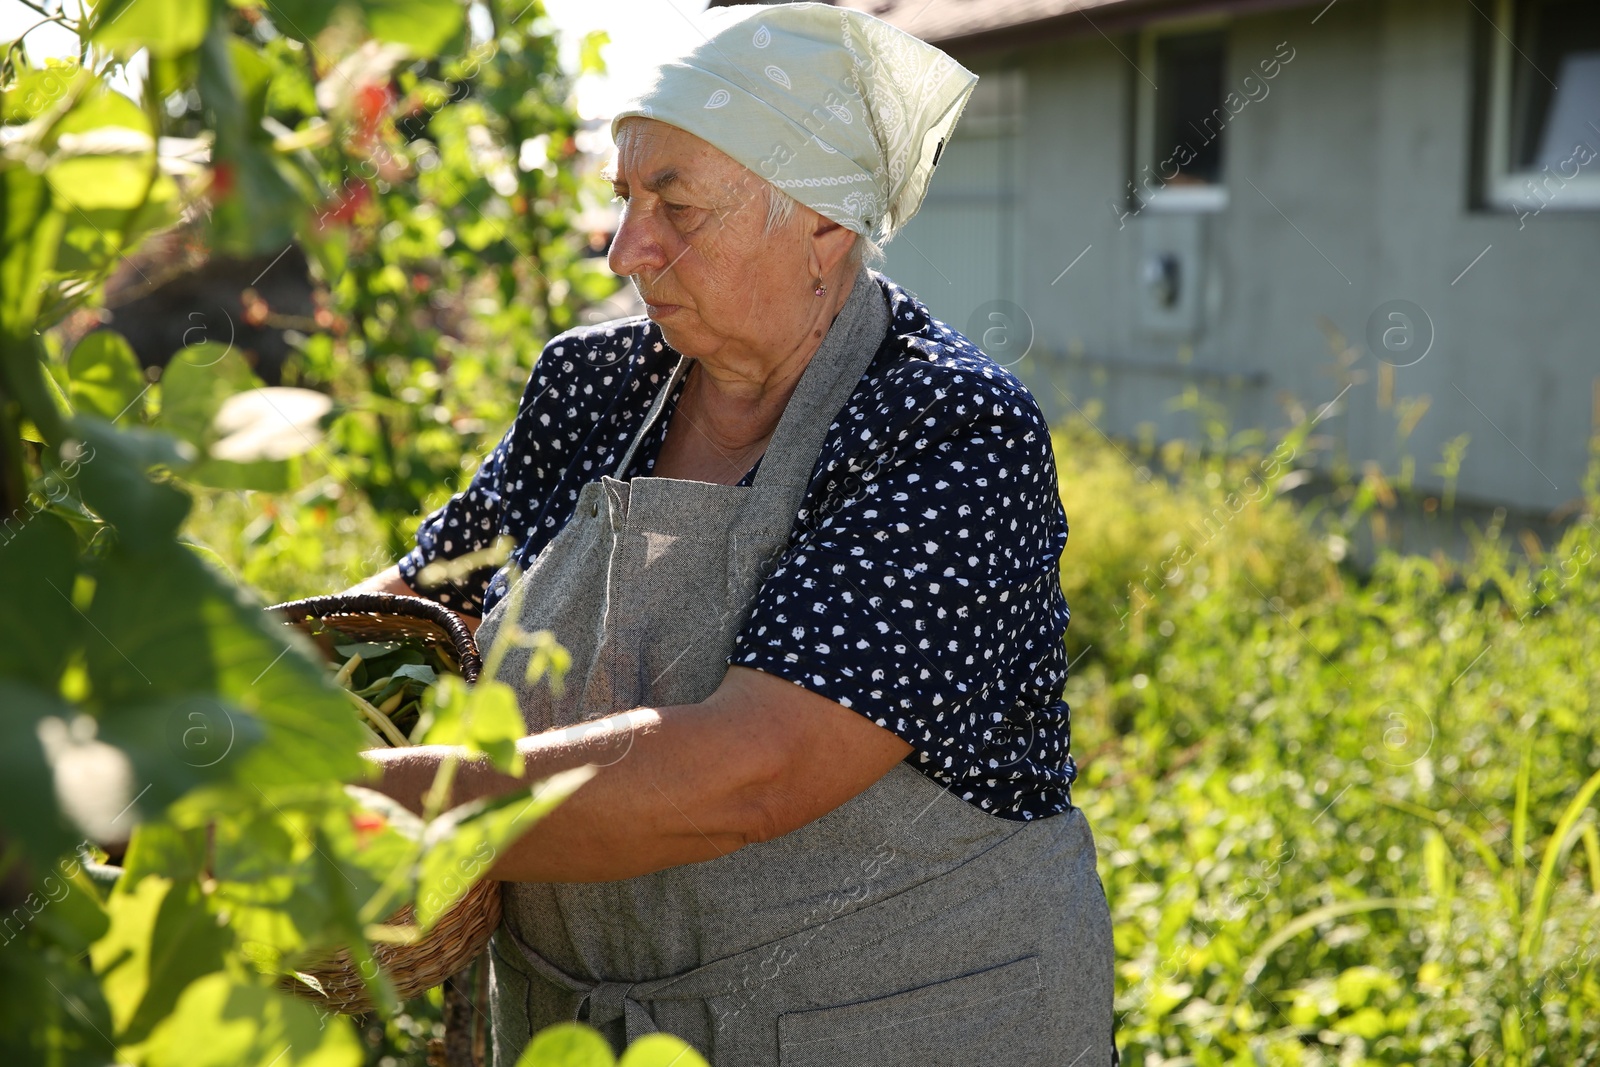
(841, 110)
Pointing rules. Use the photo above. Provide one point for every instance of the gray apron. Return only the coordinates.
(904, 927)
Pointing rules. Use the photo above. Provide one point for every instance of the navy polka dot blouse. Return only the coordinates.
(919, 585)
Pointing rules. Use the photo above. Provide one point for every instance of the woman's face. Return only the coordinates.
(693, 238)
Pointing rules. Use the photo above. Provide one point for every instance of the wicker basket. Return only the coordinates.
(462, 933)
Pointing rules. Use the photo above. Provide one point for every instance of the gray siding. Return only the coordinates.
(1348, 187)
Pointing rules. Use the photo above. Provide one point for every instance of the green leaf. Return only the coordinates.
(567, 1045)
(163, 849)
(254, 75)
(267, 475)
(30, 232)
(94, 236)
(53, 1012)
(115, 484)
(161, 938)
(27, 785)
(106, 378)
(38, 562)
(590, 61)
(662, 1050)
(194, 385)
(462, 844)
(179, 743)
(301, 19)
(76, 915)
(166, 27)
(227, 1021)
(1555, 851)
(483, 718)
(259, 215)
(153, 644)
(33, 91)
(103, 156)
(424, 26)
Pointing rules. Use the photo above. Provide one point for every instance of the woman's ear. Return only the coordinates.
(830, 244)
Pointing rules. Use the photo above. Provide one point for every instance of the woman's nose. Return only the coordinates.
(635, 249)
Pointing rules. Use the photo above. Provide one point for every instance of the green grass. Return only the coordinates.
(1343, 819)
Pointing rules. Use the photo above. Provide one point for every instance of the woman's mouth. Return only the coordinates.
(661, 311)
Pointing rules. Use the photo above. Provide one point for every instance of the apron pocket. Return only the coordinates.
(986, 1018)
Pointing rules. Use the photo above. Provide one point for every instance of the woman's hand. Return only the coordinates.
(679, 784)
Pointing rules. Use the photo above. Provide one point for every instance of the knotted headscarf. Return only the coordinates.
(840, 110)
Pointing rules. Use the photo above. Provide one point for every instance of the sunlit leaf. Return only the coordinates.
(153, 644)
(661, 1050)
(462, 844)
(224, 1021)
(161, 938)
(483, 718)
(106, 378)
(424, 26)
(590, 59)
(104, 155)
(567, 1045)
(30, 231)
(166, 27)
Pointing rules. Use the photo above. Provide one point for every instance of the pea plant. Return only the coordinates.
(421, 154)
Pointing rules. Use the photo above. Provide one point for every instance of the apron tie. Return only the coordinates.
(606, 1001)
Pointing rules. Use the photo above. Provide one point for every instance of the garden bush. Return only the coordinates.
(1345, 816)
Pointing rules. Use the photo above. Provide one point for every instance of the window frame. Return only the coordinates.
(1505, 187)
(1189, 198)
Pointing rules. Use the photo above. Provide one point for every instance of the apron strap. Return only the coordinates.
(679, 369)
(826, 383)
(606, 1001)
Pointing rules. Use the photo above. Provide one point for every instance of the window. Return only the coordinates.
(1543, 148)
(1183, 119)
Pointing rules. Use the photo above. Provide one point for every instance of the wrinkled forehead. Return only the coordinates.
(655, 154)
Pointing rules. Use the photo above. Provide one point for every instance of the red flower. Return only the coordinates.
(371, 102)
(221, 181)
(353, 196)
(365, 824)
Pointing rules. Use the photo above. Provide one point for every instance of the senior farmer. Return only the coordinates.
(800, 539)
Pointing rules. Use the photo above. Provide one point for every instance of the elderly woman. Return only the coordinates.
(800, 539)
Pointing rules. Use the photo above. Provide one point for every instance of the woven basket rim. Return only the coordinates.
(415, 607)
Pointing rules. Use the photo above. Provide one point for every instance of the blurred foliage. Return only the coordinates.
(425, 160)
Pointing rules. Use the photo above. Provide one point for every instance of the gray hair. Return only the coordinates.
(780, 212)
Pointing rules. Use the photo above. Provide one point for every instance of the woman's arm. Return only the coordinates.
(389, 581)
(679, 784)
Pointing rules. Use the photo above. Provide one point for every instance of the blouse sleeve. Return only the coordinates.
(924, 591)
(468, 522)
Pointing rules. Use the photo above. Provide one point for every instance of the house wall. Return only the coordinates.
(1348, 187)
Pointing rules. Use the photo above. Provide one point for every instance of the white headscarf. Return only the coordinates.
(840, 110)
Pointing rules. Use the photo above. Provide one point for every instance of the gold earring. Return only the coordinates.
(821, 289)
